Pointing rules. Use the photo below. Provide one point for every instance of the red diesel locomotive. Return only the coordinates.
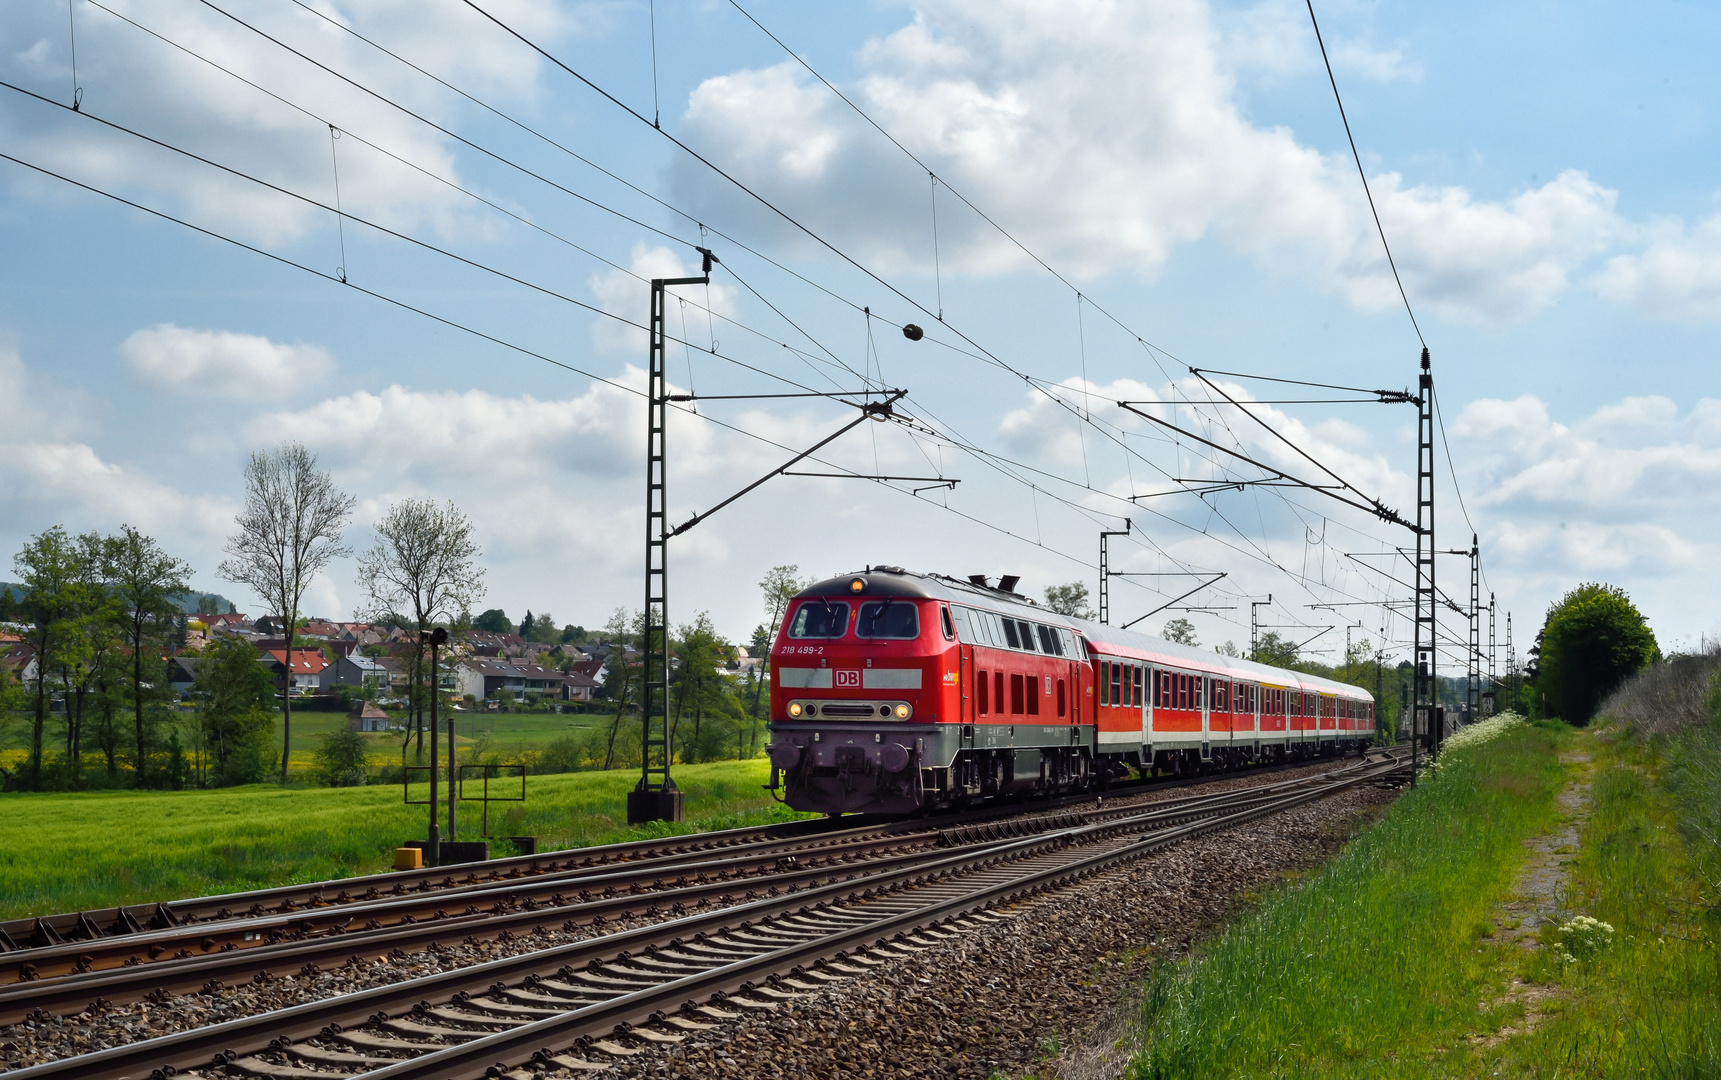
(894, 692)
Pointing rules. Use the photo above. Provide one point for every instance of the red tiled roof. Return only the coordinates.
(305, 661)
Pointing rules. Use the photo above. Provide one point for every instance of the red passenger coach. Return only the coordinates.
(894, 692)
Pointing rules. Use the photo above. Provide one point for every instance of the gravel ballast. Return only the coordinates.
(1023, 994)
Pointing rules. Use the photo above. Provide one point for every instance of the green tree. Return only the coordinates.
(777, 588)
(1070, 599)
(1594, 638)
(50, 566)
(699, 692)
(1275, 651)
(542, 630)
(1182, 631)
(574, 635)
(340, 758)
(494, 621)
(144, 581)
(235, 692)
(88, 647)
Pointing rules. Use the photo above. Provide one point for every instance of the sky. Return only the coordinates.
(416, 236)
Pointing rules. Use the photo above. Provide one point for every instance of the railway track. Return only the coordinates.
(581, 1005)
(586, 898)
(91, 941)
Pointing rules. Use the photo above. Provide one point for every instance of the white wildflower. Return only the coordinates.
(1583, 937)
(1483, 731)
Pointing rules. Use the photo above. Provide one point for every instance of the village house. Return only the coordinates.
(368, 716)
(311, 670)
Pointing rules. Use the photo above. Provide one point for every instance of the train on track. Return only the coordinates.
(894, 692)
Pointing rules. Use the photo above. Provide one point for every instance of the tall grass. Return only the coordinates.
(70, 851)
(1383, 956)
(1649, 1005)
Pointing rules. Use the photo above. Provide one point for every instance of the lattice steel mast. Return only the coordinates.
(656, 798)
(1424, 639)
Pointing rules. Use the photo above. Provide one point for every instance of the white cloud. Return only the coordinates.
(224, 364)
(1626, 495)
(1105, 135)
(1275, 38)
(53, 477)
(628, 296)
(133, 79)
(1677, 276)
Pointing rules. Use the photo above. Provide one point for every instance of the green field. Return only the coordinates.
(501, 736)
(70, 851)
(504, 736)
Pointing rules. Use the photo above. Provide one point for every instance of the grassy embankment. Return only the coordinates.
(68, 851)
(1381, 963)
(1387, 963)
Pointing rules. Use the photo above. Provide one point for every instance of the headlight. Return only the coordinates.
(794, 708)
(902, 712)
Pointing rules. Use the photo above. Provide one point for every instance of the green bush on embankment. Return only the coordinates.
(1367, 966)
(73, 851)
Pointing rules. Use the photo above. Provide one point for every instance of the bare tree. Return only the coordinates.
(145, 581)
(289, 531)
(423, 564)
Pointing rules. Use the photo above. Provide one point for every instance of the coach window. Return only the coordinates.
(1063, 705)
(1116, 683)
(981, 685)
(949, 627)
(1105, 666)
(1016, 707)
(1135, 682)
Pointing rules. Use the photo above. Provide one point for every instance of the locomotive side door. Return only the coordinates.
(964, 687)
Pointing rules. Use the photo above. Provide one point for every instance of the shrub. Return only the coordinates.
(1594, 639)
(1666, 698)
(340, 759)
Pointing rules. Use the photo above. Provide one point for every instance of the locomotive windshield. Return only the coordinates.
(888, 620)
(820, 619)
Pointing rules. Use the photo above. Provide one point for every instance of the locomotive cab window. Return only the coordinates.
(884, 619)
(820, 619)
(949, 629)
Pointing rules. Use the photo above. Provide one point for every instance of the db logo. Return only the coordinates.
(848, 678)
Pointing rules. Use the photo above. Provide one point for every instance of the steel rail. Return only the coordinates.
(223, 1043)
(132, 981)
(259, 928)
(129, 920)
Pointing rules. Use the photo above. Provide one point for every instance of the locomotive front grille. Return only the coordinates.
(848, 709)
